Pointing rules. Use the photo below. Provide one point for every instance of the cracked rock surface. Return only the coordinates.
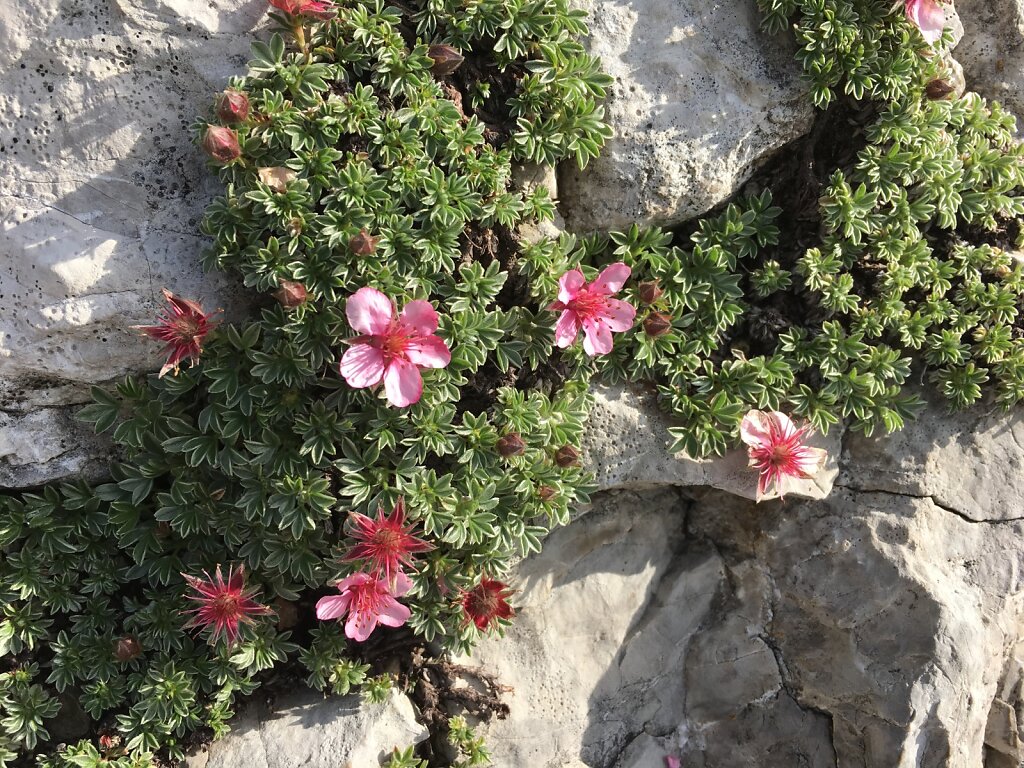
(102, 196)
(881, 627)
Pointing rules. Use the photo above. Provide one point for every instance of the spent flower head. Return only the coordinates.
(223, 605)
(590, 307)
(487, 602)
(182, 327)
(393, 347)
(778, 450)
(385, 544)
(368, 601)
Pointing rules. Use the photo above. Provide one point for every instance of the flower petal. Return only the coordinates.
(393, 614)
(755, 430)
(620, 315)
(420, 317)
(428, 352)
(567, 329)
(569, 285)
(402, 383)
(611, 279)
(929, 17)
(597, 337)
(360, 626)
(362, 366)
(402, 584)
(369, 311)
(332, 606)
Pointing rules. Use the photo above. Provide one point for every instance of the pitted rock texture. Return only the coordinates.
(992, 50)
(626, 447)
(702, 96)
(874, 628)
(103, 193)
(310, 731)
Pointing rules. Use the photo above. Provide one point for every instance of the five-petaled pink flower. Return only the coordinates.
(318, 8)
(223, 605)
(487, 602)
(928, 16)
(182, 326)
(368, 601)
(391, 348)
(777, 449)
(385, 544)
(590, 306)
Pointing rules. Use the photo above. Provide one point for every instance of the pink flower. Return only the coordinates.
(589, 306)
(183, 326)
(487, 602)
(928, 16)
(318, 8)
(223, 605)
(368, 602)
(386, 543)
(671, 761)
(776, 448)
(392, 349)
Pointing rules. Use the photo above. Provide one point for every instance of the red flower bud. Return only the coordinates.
(233, 106)
(363, 244)
(511, 445)
(649, 292)
(445, 59)
(221, 144)
(567, 456)
(108, 742)
(657, 324)
(291, 294)
(127, 648)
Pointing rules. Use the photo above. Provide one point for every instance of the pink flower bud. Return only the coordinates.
(445, 59)
(567, 456)
(233, 106)
(657, 324)
(511, 445)
(649, 292)
(363, 244)
(291, 294)
(221, 144)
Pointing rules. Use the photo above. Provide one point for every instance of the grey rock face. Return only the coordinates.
(992, 49)
(310, 731)
(701, 98)
(102, 196)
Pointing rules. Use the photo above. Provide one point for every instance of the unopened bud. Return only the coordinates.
(221, 144)
(233, 106)
(657, 324)
(127, 648)
(937, 90)
(277, 178)
(546, 493)
(445, 59)
(295, 225)
(567, 456)
(163, 529)
(649, 292)
(511, 445)
(363, 244)
(291, 294)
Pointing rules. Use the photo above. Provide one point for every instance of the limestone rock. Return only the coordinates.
(626, 447)
(992, 50)
(970, 462)
(309, 731)
(103, 191)
(701, 98)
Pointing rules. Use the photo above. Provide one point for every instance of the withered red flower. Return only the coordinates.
(487, 602)
(385, 544)
(182, 326)
(223, 605)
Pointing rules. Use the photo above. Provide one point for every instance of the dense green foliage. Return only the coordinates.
(257, 454)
